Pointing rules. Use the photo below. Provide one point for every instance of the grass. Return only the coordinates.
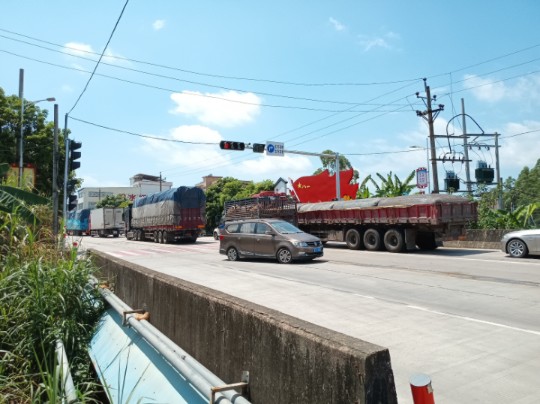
(44, 296)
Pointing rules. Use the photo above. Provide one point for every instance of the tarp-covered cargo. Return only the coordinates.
(182, 206)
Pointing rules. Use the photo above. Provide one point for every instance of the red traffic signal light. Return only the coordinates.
(228, 145)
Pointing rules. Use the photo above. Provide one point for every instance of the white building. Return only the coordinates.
(140, 185)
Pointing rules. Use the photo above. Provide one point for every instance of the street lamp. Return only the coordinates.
(427, 161)
(21, 140)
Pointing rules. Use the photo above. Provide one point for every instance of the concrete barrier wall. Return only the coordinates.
(488, 239)
(289, 360)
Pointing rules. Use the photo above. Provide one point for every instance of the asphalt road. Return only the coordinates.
(469, 319)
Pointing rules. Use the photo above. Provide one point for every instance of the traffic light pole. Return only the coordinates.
(66, 164)
(55, 173)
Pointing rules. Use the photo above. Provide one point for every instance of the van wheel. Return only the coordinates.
(394, 240)
(353, 239)
(372, 240)
(284, 256)
(232, 254)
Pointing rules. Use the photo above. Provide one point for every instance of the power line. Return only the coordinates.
(100, 57)
(209, 74)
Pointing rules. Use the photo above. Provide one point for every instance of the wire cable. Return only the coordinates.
(100, 57)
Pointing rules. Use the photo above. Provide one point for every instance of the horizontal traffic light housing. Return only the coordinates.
(231, 145)
(258, 147)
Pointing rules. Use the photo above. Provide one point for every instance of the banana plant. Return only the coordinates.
(17, 200)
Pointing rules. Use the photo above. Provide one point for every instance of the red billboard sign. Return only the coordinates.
(322, 187)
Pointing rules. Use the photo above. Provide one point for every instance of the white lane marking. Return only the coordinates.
(475, 320)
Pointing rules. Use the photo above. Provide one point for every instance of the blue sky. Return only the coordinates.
(179, 76)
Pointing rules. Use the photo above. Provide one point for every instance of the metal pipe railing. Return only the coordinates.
(189, 367)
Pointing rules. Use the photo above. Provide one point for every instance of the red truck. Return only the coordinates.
(396, 224)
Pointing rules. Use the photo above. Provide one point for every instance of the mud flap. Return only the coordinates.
(410, 239)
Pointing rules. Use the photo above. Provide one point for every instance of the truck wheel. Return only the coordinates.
(165, 237)
(160, 237)
(232, 254)
(156, 237)
(353, 239)
(284, 256)
(394, 240)
(372, 240)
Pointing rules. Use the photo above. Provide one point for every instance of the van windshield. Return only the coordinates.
(286, 228)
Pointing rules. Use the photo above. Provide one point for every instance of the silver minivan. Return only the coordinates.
(268, 238)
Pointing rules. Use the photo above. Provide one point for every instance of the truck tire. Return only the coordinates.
(394, 241)
(372, 240)
(165, 237)
(156, 237)
(353, 239)
(160, 237)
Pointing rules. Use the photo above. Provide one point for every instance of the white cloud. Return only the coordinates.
(226, 108)
(86, 51)
(518, 151)
(336, 24)
(385, 41)
(489, 90)
(158, 24)
(180, 158)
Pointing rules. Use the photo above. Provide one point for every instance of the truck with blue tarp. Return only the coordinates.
(165, 217)
(78, 222)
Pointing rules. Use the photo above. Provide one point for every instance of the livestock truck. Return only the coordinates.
(77, 222)
(166, 217)
(106, 222)
(396, 224)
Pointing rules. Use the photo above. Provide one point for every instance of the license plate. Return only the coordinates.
(317, 249)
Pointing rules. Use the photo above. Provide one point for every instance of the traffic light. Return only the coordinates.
(74, 155)
(228, 145)
(258, 147)
(72, 202)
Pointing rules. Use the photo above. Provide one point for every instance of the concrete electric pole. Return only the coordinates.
(430, 115)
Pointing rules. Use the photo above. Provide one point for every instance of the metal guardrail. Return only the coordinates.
(205, 381)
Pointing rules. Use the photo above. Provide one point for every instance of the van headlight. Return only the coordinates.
(300, 244)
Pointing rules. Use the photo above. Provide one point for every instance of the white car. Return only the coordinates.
(519, 244)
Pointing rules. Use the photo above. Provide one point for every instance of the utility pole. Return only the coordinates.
(21, 142)
(55, 173)
(431, 116)
(466, 149)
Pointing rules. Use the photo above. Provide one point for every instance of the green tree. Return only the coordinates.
(228, 189)
(113, 201)
(38, 140)
(329, 163)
